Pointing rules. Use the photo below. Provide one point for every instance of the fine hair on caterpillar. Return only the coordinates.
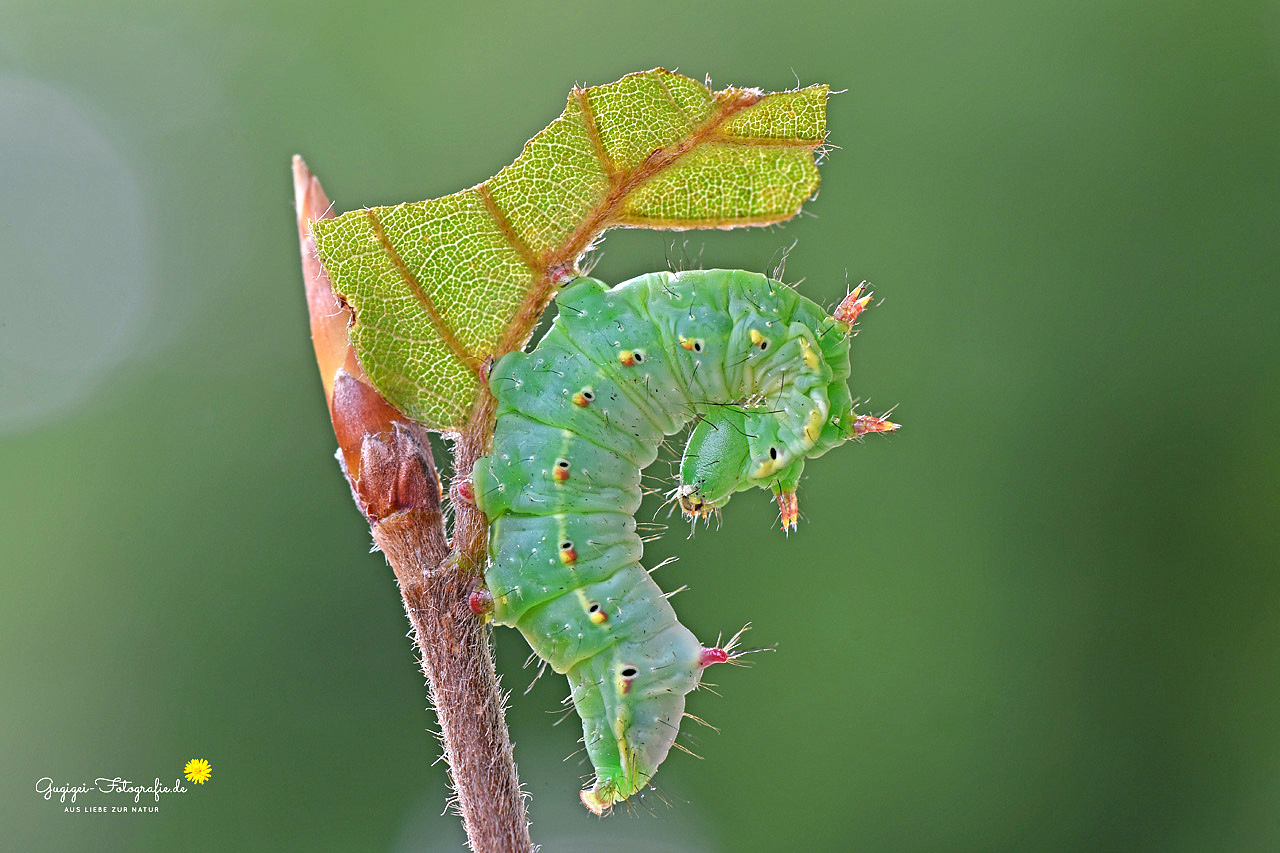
(760, 370)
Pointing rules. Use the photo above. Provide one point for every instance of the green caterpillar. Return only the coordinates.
(762, 368)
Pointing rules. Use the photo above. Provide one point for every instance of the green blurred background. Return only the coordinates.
(1045, 616)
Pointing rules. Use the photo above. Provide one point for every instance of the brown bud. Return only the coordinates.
(387, 458)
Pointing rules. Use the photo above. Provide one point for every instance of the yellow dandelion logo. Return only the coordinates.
(198, 771)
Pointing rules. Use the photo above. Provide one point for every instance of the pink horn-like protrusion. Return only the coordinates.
(714, 655)
(863, 424)
(854, 304)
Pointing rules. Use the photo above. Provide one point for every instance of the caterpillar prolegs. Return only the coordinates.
(764, 371)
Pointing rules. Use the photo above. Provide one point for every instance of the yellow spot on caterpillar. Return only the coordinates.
(627, 357)
(624, 750)
(756, 337)
(579, 400)
(813, 425)
(599, 617)
(686, 343)
(810, 357)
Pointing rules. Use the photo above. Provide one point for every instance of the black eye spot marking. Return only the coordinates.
(629, 672)
(773, 453)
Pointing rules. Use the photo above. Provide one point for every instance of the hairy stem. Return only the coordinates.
(387, 461)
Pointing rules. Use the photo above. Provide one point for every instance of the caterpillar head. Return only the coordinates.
(715, 459)
(729, 450)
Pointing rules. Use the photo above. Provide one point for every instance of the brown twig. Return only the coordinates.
(387, 461)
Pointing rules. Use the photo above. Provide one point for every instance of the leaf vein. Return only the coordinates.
(666, 90)
(508, 230)
(597, 142)
(411, 281)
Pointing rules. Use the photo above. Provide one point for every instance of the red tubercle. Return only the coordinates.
(466, 491)
(480, 601)
(714, 655)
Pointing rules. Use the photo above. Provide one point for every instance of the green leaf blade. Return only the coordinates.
(553, 184)
(752, 186)
(641, 114)
(437, 287)
(796, 118)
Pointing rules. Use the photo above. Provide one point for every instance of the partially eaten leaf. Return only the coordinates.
(438, 286)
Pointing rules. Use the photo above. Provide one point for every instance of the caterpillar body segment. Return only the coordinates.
(578, 417)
